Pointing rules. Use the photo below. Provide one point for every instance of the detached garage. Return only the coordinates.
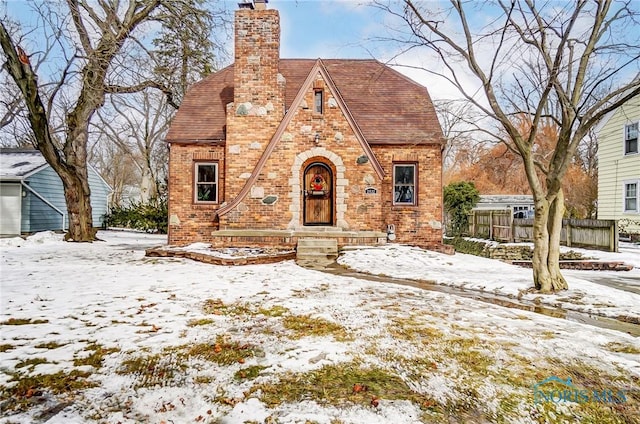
(32, 196)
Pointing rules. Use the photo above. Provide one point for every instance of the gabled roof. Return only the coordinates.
(18, 164)
(388, 107)
(607, 117)
(318, 68)
(505, 198)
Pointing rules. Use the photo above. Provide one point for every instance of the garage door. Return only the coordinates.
(10, 211)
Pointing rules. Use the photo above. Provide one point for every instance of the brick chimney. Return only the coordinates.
(258, 103)
(257, 54)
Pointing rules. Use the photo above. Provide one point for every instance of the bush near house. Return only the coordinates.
(150, 217)
(463, 245)
(459, 198)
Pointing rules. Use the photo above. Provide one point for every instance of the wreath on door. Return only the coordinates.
(318, 185)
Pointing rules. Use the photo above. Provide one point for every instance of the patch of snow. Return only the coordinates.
(108, 293)
(489, 275)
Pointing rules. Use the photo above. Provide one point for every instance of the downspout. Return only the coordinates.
(35, 193)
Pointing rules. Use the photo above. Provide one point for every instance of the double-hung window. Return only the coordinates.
(404, 184)
(631, 138)
(631, 191)
(206, 182)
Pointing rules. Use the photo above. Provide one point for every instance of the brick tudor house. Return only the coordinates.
(268, 151)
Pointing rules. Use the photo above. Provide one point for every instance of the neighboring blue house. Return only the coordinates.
(32, 196)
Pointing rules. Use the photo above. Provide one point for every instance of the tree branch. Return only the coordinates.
(117, 89)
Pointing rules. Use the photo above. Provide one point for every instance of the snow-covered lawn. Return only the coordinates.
(473, 272)
(99, 333)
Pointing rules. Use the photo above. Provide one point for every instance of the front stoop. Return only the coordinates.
(316, 251)
(290, 238)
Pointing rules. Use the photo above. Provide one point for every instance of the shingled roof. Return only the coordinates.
(388, 107)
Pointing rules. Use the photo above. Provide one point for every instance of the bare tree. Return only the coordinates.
(91, 39)
(454, 119)
(136, 126)
(543, 63)
(186, 48)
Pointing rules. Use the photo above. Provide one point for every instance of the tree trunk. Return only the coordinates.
(75, 179)
(547, 226)
(556, 214)
(77, 197)
(146, 185)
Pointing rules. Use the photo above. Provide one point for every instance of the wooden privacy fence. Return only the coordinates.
(500, 225)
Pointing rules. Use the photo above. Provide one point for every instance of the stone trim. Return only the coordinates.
(294, 182)
(318, 68)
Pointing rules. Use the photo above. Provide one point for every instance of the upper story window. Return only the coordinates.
(404, 184)
(631, 138)
(206, 182)
(318, 101)
(631, 196)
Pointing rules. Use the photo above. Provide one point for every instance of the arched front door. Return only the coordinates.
(318, 195)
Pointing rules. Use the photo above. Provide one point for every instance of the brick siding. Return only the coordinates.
(252, 120)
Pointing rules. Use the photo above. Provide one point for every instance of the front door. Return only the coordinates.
(318, 195)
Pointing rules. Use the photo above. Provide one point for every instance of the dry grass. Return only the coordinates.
(165, 369)
(24, 321)
(31, 363)
(20, 395)
(95, 357)
(338, 385)
(622, 348)
(6, 347)
(199, 322)
(273, 311)
(218, 307)
(223, 351)
(49, 345)
(249, 373)
(306, 325)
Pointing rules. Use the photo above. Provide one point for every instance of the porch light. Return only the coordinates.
(317, 138)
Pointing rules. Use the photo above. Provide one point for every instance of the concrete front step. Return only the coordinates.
(318, 243)
(314, 249)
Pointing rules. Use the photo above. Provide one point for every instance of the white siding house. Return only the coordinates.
(619, 166)
(32, 196)
(521, 205)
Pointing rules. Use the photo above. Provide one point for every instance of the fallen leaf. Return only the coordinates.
(375, 401)
(429, 403)
(217, 348)
(357, 388)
